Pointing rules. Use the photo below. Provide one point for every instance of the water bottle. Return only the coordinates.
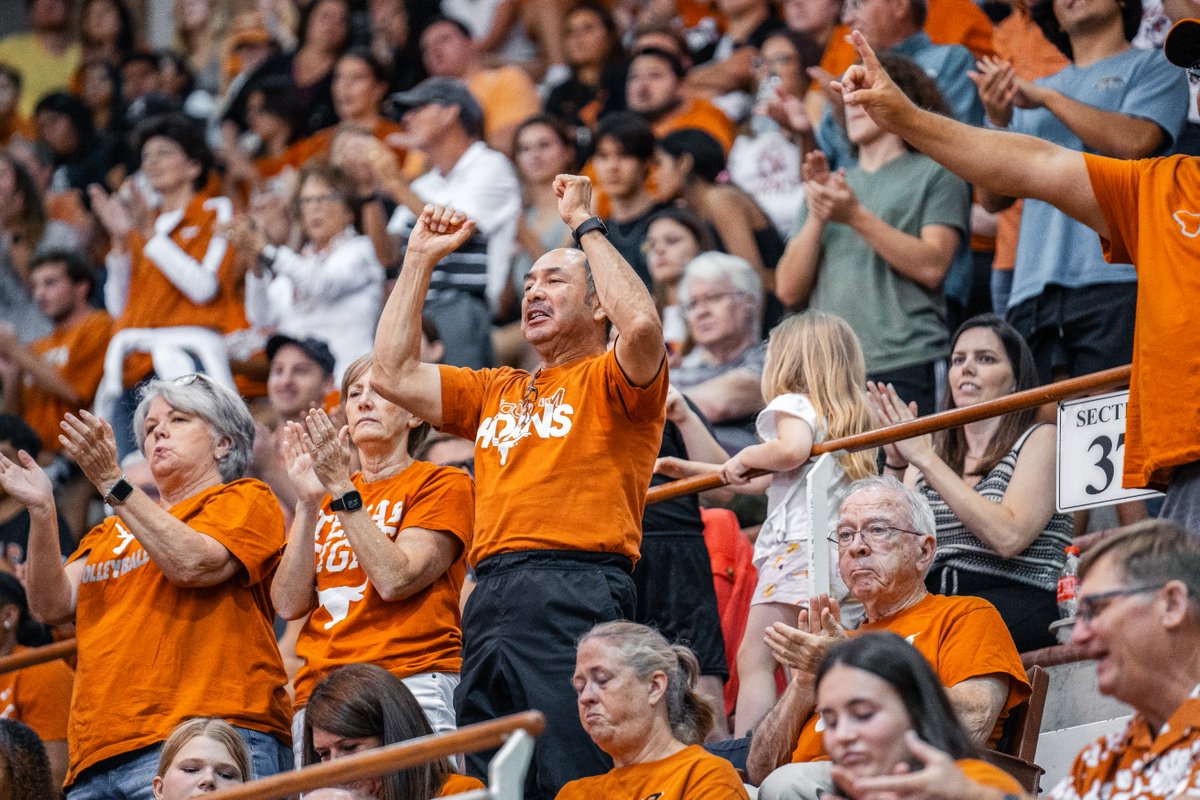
(1068, 584)
(760, 123)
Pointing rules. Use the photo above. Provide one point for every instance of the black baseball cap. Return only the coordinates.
(315, 349)
(1182, 45)
(440, 91)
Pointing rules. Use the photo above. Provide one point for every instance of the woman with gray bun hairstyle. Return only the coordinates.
(638, 702)
(170, 597)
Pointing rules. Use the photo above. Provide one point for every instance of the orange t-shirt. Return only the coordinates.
(1134, 762)
(152, 654)
(993, 777)
(946, 22)
(154, 302)
(351, 623)
(572, 477)
(1020, 40)
(457, 784)
(77, 352)
(960, 637)
(38, 696)
(506, 96)
(696, 112)
(1152, 209)
(690, 773)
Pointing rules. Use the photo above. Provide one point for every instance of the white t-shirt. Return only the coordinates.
(767, 167)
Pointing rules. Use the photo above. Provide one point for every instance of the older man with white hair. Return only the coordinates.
(722, 299)
(885, 540)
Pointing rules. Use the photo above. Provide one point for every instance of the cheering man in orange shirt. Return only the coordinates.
(563, 457)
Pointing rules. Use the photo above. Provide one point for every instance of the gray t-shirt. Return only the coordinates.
(899, 322)
(698, 367)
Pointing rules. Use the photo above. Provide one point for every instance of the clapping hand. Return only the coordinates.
(801, 648)
(328, 448)
(89, 442)
(891, 410)
(995, 81)
(26, 482)
(305, 483)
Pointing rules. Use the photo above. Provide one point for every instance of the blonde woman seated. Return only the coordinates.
(638, 702)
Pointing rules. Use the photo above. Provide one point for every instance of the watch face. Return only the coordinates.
(120, 491)
(352, 501)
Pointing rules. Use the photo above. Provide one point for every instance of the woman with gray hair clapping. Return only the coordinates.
(638, 702)
(171, 597)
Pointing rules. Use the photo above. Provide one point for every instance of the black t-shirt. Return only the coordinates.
(682, 514)
(629, 236)
(14, 537)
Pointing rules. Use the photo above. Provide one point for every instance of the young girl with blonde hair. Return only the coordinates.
(814, 383)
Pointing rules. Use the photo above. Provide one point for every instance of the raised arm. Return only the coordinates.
(397, 372)
(52, 587)
(623, 297)
(999, 162)
(294, 587)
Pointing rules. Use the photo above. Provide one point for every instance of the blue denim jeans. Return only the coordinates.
(130, 776)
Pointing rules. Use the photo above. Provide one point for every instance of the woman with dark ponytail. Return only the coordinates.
(638, 702)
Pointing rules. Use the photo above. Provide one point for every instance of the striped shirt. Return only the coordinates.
(1039, 565)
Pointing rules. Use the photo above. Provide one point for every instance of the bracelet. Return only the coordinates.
(900, 468)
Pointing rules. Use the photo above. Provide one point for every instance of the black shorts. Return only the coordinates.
(675, 595)
(1078, 331)
(520, 628)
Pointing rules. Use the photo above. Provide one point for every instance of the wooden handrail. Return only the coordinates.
(391, 758)
(37, 655)
(1030, 398)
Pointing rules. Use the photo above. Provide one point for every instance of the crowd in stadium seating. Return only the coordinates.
(341, 340)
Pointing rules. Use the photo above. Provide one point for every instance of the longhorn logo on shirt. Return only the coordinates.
(337, 599)
(1189, 223)
(550, 419)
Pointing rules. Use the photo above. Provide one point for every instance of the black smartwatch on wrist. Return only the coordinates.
(587, 226)
(350, 501)
(119, 492)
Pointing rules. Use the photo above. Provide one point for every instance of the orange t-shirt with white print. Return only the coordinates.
(702, 115)
(77, 352)
(691, 773)
(1152, 209)
(38, 696)
(153, 654)
(154, 302)
(961, 638)
(568, 469)
(351, 623)
(457, 784)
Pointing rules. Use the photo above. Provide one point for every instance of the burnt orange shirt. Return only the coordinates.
(960, 637)
(153, 654)
(317, 146)
(351, 623)
(696, 112)
(1020, 41)
(1152, 210)
(17, 126)
(457, 784)
(946, 22)
(77, 352)
(154, 302)
(38, 696)
(569, 469)
(1139, 763)
(993, 777)
(690, 773)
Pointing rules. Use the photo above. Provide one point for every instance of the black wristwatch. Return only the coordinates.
(587, 226)
(350, 501)
(119, 492)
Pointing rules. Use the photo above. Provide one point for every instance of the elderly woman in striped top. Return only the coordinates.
(989, 483)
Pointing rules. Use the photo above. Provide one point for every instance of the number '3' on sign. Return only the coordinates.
(1091, 453)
